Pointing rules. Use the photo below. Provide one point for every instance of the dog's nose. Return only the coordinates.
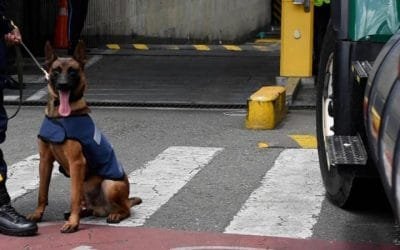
(62, 82)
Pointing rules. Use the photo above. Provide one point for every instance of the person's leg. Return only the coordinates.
(6, 81)
(77, 11)
(4, 197)
(11, 222)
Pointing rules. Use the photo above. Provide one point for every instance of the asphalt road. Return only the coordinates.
(166, 77)
(198, 170)
(220, 188)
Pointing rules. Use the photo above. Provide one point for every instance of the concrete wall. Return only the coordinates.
(211, 20)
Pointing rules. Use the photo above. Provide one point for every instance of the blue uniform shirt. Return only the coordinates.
(99, 154)
(5, 27)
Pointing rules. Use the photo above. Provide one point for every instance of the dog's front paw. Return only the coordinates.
(114, 218)
(69, 227)
(35, 216)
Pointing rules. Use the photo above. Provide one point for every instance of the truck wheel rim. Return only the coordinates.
(327, 101)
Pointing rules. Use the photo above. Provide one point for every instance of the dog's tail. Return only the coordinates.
(134, 201)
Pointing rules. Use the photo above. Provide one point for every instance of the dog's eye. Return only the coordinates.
(73, 73)
(55, 72)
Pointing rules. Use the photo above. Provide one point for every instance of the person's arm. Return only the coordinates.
(8, 30)
(5, 23)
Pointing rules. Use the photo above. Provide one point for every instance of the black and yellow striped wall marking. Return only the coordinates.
(276, 9)
(263, 45)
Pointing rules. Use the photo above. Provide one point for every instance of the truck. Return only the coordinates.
(358, 101)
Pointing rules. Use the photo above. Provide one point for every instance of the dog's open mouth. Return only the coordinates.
(64, 109)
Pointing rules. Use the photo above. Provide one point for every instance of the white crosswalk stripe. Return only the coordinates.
(8, 98)
(287, 202)
(38, 95)
(23, 176)
(161, 178)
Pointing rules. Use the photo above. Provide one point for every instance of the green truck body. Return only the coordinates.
(373, 20)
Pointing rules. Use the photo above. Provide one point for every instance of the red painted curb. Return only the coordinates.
(109, 237)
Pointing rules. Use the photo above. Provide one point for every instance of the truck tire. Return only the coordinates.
(338, 182)
(382, 114)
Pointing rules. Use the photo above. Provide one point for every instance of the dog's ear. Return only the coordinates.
(49, 54)
(80, 53)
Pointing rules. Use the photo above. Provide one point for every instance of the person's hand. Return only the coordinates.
(14, 37)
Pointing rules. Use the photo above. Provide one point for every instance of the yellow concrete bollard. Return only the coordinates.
(266, 108)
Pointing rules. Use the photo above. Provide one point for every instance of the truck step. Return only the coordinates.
(361, 70)
(346, 150)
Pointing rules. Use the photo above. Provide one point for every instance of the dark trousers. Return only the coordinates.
(77, 11)
(4, 198)
(3, 77)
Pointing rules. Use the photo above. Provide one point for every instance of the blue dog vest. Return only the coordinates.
(100, 156)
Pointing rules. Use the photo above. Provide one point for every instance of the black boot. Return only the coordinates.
(11, 222)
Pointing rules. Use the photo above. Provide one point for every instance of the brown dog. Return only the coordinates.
(99, 185)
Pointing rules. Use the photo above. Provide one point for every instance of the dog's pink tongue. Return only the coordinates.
(64, 109)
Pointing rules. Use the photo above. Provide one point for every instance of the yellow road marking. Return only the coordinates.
(263, 145)
(201, 47)
(113, 46)
(232, 47)
(268, 40)
(305, 141)
(140, 46)
(261, 48)
(173, 47)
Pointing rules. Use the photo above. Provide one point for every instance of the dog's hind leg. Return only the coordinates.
(116, 194)
(45, 170)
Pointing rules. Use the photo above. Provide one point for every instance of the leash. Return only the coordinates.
(19, 59)
(46, 75)
(19, 64)
(20, 79)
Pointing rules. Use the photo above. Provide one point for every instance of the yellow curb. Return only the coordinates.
(305, 141)
(140, 46)
(266, 108)
(292, 85)
(113, 46)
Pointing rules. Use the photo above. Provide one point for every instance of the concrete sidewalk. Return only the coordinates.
(109, 237)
